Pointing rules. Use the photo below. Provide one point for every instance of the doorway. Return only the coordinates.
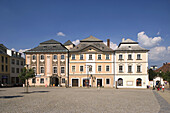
(75, 82)
(85, 82)
(55, 81)
(99, 82)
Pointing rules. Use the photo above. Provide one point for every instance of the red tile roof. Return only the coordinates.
(164, 68)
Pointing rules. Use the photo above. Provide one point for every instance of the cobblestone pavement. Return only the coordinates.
(77, 100)
(164, 105)
(165, 95)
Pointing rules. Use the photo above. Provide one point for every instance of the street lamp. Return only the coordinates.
(160, 76)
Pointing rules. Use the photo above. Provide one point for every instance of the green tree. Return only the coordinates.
(166, 76)
(25, 75)
(152, 74)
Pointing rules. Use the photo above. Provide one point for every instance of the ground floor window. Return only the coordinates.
(17, 79)
(120, 82)
(33, 80)
(42, 80)
(139, 82)
(63, 80)
(107, 81)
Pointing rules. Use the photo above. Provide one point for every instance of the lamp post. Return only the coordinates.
(160, 76)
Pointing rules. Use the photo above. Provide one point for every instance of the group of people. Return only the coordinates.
(160, 87)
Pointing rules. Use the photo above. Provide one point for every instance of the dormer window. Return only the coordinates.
(89, 48)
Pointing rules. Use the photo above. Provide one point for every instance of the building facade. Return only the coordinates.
(91, 63)
(4, 66)
(17, 63)
(131, 64)
(50, 63)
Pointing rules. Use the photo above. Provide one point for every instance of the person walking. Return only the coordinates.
(163, 87)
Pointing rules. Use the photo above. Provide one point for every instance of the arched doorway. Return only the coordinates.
(120, 82)
(139, 82)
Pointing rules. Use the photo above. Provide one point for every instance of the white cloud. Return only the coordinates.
(145, 41)
(160, 53)
(60, 34)
(158, 33)
(13, 49)
(22, 51)
(112, 45)
(76, 42)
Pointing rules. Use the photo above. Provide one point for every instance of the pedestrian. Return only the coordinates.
(163, 87)
(160, 87)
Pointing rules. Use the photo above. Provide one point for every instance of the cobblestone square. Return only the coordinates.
(76, 100)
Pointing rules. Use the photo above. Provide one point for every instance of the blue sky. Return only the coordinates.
(26, 23)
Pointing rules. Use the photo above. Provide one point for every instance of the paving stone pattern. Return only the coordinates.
(77, 100)
(164, 105)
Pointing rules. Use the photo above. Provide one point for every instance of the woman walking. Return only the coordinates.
(163, 87)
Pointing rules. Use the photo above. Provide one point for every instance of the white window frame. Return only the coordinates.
(72, 68)
(53, 69)
(40, 81)
(106, 81)
(121, 70)
(98, 68)
(80, 56)
(40, 57)
(140, 68)
(73, 57)
(40, 69)
(35, 69)
(98, 57)
(56, 56)
(106, 68)
(128, 57)
(61, 57)
(119, 56)
(32, 57)
(106, 57)
(80, 69)
(61, 69)
(137, 56)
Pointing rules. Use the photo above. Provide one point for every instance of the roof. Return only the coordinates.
(4, 47)
(91, 39)
(68, 43)
(164, 68)
(49, 46)
(89, 42)
(2, 52)
(130, 45)
(50, 42)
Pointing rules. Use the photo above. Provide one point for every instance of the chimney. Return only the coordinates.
(123, 39)
(108, 42)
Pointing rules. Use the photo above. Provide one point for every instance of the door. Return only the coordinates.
(99, 82)
(74, 82)
(85, 82)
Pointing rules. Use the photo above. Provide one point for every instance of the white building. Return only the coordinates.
(131, 63)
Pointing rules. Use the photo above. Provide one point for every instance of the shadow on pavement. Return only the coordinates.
(7, 97)
(2, 90)
(34, 92)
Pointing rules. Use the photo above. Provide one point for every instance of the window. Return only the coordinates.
(33, 57)
(62, 56)
(62, 70)
(120, 69)
(99, 57)
(42, 69)
(139, 82)
(6, 68)
(22, 63)
(73, 68)
(13, 70)
(17, 70)
(138, 56)
(129, 57)
(17, 79)
(120, 82)
(6, 59)
(73, 57)
(2, 68)
(129, 69)
(42, 80)
(63, 80)
(42, 57)
(2, 59)
(90, 57)
(34, 68)
(21, 70)
(90, 68)
(107, 81)
(55, 57)
(138, 69)
(81, 68)
(55, 69)
(34, 80)
(81, 57)
(107, 68)
(17, 62)
(120, 57)
(107, 56)
(99, 68)
(13, 61)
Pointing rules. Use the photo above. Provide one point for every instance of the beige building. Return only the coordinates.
(49, 61)
(4, 66)
(131, 63)
(91, 63)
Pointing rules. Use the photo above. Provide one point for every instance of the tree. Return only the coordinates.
(152, 74)
(166, 76)
(25, 75)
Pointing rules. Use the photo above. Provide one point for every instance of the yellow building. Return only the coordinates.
(4, 66)
(91, 63)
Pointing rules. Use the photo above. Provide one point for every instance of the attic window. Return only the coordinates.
(45, 46)
(89, 48)
(129, 46)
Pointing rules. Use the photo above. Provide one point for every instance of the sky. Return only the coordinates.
(26, 23)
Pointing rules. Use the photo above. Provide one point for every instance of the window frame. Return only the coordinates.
(81, 58)
(108, 68)
(82, 68)
(99, 68)
(108, 57)
(41, 70)
(99, 57)
(62, 70)
(73, 57)
(55, 70)
(62, 57)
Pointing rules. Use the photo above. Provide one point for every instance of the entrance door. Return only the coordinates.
(55, 81)
(157, 82)
(99, 82)
(85, 82)
(74, 82)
